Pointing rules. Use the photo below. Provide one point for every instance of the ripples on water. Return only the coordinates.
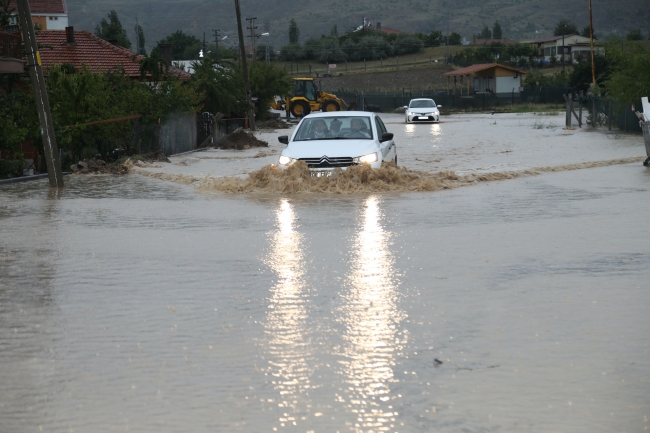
(130, 304)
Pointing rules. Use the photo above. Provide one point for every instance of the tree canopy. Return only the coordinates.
(184, 46)
(564, 27)
(294, 32)
(629, 79)
(634, 35)
(112, 30)
(497, 33)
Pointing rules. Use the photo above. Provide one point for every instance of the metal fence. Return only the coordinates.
(389, 101)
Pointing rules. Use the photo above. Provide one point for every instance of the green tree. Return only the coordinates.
(153, 68)
(580, 77)
(112, 30)
(221, 89)
(565, 28)
(455, 38)
(139, 39)
(268, 80)
(485, 33)
(184, 46)
(292, 52)
(634, 35)
(586, 32)
(294, 32)
(5, 12)
(497, 33)
(335, 31)
(629, 79)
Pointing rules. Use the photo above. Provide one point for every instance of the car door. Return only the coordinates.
(387, 147)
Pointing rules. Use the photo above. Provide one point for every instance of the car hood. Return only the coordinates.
(423, 110)
(331, 148)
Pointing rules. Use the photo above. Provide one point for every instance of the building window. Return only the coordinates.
(547, 51)
(54, 18)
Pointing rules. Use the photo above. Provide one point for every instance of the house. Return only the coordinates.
(388, 30)
(572, 47)
(48, 14)
(488, 77)
(83, 49)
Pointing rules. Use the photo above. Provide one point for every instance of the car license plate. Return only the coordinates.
(321, 174)
(423, 117)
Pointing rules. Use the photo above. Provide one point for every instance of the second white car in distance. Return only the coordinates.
(422, 110)
(330, 140)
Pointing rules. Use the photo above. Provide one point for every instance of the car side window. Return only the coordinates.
(380, 126)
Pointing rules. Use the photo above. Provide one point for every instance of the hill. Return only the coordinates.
(520, 19)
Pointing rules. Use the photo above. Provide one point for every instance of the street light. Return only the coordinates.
(268, 59)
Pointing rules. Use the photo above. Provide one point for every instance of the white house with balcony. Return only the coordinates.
(574, 48)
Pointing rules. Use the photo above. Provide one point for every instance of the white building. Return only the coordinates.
(48, 14)
(574, 47)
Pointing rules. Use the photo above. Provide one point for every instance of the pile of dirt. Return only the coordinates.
(239, 140)
(121, 166)
(273, 124)
(99, 166)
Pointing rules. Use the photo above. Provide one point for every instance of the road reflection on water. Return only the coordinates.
(290, 364)
(371, 317)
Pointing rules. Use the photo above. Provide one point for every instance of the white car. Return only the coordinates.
(422, 110)
(330, 140)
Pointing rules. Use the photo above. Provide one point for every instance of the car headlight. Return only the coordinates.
(409, 113)
(366, 159)
(285, 160)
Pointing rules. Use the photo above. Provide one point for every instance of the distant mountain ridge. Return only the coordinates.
(520, 19)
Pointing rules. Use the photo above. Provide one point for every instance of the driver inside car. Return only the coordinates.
(320, 130)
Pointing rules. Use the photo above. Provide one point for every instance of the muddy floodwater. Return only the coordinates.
(130, 303)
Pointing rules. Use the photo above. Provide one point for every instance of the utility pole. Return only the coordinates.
(205, 51)
(252, 28)
(50, 148)
(447, 53)
(242, 51)
(216, 43)
(268, 53)
(591, 42)
(563, 52)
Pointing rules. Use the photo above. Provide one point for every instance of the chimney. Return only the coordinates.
(165, 53)
(69, 35)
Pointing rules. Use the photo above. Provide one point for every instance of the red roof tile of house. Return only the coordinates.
(389, 31)
(44, 6)
(552, 38)
(480, 67)
(92, 52)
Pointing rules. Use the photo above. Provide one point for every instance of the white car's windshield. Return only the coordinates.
(425, 103)
(335, 128)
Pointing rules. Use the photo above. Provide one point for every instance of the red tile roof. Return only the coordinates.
(92, 52)
(44, 6)
(552, 38)
(480, 67)
(389, 31)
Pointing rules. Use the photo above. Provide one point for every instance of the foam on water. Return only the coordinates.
(358, 179)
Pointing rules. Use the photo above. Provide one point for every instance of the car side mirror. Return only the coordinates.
(439, 106)
(405, 107)
(283, 139)
(386, 136)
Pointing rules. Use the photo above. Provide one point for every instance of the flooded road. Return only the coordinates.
(134, 304)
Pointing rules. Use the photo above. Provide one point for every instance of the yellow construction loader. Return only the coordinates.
(307, 98)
